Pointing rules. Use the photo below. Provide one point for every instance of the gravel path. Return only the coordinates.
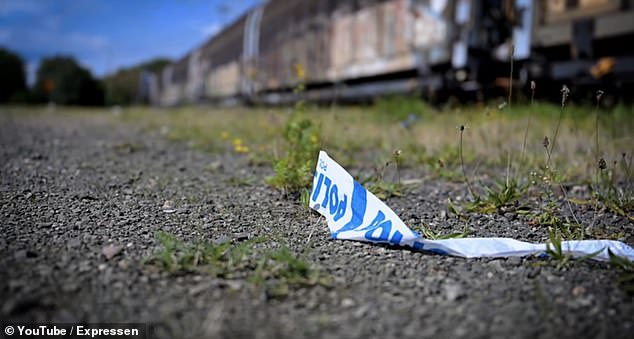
(71, 185)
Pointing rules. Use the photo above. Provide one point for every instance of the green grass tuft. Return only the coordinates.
(277, 270)
(293, 171)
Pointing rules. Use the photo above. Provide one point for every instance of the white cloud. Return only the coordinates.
(80, 40)
(39, 41)
(210, 29)
(22, 6)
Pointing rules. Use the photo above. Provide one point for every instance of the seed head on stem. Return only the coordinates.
(596, 124)
(464, 171)
(565, 91)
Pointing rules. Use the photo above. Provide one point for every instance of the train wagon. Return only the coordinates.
(360, 49)
(586, 43)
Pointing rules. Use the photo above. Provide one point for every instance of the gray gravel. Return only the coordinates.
(76, 190)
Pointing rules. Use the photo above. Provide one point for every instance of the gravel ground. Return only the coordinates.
(72, 185)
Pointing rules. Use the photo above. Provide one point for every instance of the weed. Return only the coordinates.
(293, 171)
(385, 190)
(625, 164)
(235, 181)
(226, 259)
(279, 269)
(239, 146)
(608, 192)
(603, 233)
(428, 233)
(128, 148)
(444, 163)
(382, 188)
(452, 209)
(596, 125)
(304, 198)
(555, 249)
(564, 97)
(566, 229)
(605, 188)
(511, 57)
(570, 229)
(528, 122)
(397, 161)
(626, 272)
(464, 171)
(504, 194)
(176, 255)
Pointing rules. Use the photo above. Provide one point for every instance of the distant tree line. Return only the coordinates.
(62, 80)
(122, 87)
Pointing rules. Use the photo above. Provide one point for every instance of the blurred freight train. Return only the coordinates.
(355, 50)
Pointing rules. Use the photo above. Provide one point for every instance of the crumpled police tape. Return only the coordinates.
(353, 213)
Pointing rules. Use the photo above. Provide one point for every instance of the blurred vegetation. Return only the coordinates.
(398, 108)
(352, 136)
(62, 80)
(122, 87)
(12, 77)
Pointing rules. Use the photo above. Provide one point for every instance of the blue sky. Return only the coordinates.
(105, 35)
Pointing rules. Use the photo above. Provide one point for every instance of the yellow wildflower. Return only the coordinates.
(300, 73)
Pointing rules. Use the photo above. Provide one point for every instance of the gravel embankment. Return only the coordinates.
(72, 185)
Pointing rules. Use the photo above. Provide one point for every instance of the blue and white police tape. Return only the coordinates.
(353, 213)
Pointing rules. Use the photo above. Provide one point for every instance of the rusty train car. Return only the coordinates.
(359, 49)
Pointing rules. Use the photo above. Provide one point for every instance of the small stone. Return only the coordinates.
(200, 288)
(514, 261)
(214, 166)
(110, 251)
(347, 302)
(20, 254)
(221, 240)
(75, 242)
(241, 236)
(361, 311)
(578, 291)
(168, 207)
(102, 267)
(453, 292)
(234, 284)
(70, 287)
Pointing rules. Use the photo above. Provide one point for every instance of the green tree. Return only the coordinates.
(122, 87)
(62, 80)
(12, 76)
